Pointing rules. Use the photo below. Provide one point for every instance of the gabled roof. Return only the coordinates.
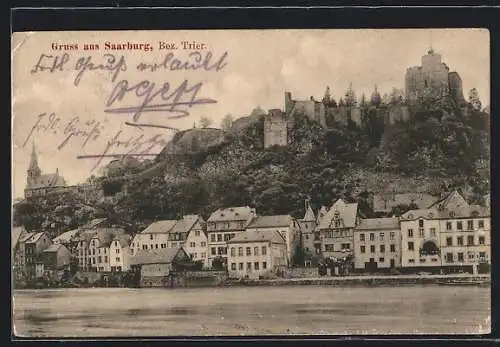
(157, 256)
(26, 237)
(270, 221)
(185, 224)
(321, 213)
(378, 224)
(347, 212)
(106, 235)
(160, 227)
(35, 237)
(258, 236)
(451, 201)
(66, 236)
(17, 232)
(47, 180)
(309, 215)
(232, 214)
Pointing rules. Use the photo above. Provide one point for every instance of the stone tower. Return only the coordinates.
(275, 128)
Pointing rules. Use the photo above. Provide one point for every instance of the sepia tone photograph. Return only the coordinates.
(250, 183)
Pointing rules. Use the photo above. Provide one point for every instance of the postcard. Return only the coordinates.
(251, 182)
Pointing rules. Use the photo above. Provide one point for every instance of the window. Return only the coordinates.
(329, 248)
(93, 251)
(421, 232)
(264, 265)
(392, 235)
(213, 251)
(93, 260)
(256, 251)
(449, 257)
(151, 236)
(362, 249)
(411, 260)
(256, 265)
(480, 223)
(449, 241)
(393, 248)
(381, 259)
(421, 223)
(203, 254)
(152, 245)
(372, 249)
(264, 250)
(118, 259)
(410, 232)
(471, 255)
(233, 266)
(192, 244)
(240, 266)
(105, 258)
(481, 240)
(233, 252)
(99, 251)
(144, 246)
(460, 241)
(240, 251)
(460, 256)
(227, 237)
(382, 248)
(433, 232)
(470, 225)
(410, 246)
(249, 251)
(203, 244)
(219, 237)
(212, 238)
(163, 245)
(249, 266)
(346, 246)
(482, 255)
(372, 237)
(99, 260)
(197, 233)
(459, 225)
(221, 250)
(381, 236)
(362, 237)
(116, 243)
(448, 225)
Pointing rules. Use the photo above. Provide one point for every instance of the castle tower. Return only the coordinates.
(327, 97)
(33, 170)
(275, 128)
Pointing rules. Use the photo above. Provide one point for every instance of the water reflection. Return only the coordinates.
(250, 311)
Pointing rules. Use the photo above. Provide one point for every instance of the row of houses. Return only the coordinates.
(449, 234)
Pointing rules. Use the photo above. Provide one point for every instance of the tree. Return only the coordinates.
(227, 122)
(474, 99)
(205, 122)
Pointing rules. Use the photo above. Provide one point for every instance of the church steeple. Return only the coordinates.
(33, 169)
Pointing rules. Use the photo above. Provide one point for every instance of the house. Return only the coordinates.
(196, 244)
(33, 247)
(386, 202)
(452, 201)
(307, 227)
(377, 244)
(223, 225)
(156, 266)
(17, 234)
(155, 236)
(420, 240)
(20, 256)
(286, 225)
(256, 252)
(336, 229)
(92, 248)
(177, 236)
(119, 253)
(465, 239)
(54, 259)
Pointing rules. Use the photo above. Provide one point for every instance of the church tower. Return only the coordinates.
(33, 170)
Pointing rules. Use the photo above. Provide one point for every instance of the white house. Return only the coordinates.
(196, 240)
(155, 236)
(119, 254)
(286, 225)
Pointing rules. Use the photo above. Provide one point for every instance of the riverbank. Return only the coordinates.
(390, 280)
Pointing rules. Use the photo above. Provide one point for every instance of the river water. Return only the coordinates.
(280, 310)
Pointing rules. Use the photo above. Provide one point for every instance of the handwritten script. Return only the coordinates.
(169, 101)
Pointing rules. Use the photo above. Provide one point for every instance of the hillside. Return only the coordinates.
(443, 146)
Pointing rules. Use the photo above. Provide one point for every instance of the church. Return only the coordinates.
(38, 184)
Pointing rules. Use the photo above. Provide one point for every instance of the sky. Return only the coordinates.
(56, 115)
